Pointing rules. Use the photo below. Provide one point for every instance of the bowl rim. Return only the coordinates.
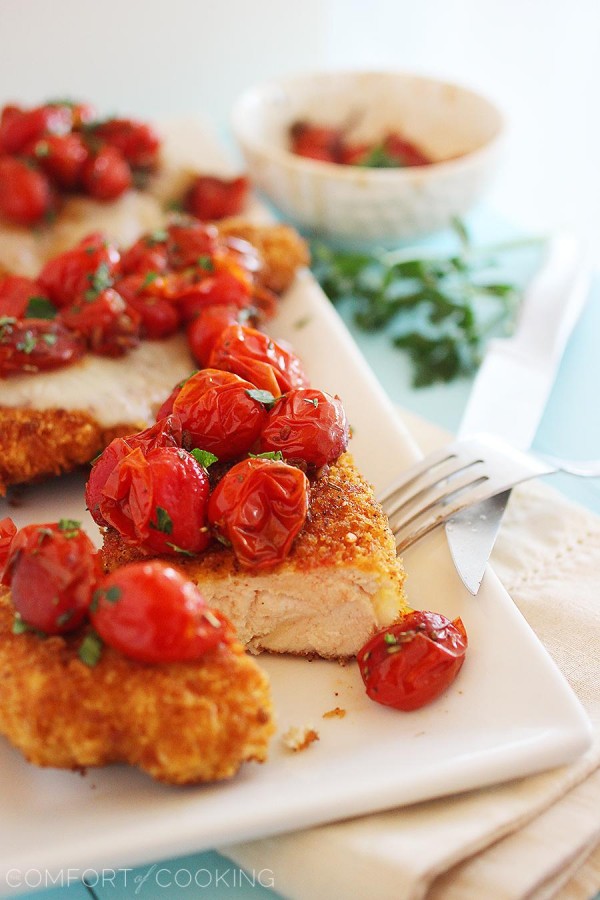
(324, 169)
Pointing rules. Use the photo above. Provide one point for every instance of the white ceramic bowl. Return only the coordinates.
(457, 128)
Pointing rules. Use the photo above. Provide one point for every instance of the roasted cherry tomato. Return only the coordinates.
(137, 142)
(307, 424)
(316, 141)
(147, 255)
(36, 345)
(166, 433)
(221, 287)
(214, 198)
(82, 272)
(109, 326)
(219, 413)
(403, 151)
(22, 297)
(158, 500)
(258, 508)
(190, 243)
(52, 570)
(206, 327)
(107, 174)
(409, 664)
(253, 355)
(62, 157)
(150, 612)
(19, 127)
(25, 192)
(159, 317)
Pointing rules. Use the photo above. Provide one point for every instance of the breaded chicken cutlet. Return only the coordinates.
(182, 723)
(341, 582)
(52, 422)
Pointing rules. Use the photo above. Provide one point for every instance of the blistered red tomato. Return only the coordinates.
(410, 663)
(165, 433)
(107, 324)
(222, 287)
(214, 198)
(25, 193)
(36, 345)
(255, 356)
(107, 174)
(307, 424)
(219, 412)
(203, 331)
(151, 613)
(82, 272)
(147, 255)
(62, 157)
(158, 500)
(21, 297)
(137, 142)
(316, 141)
(52, 570)
(19, 127)
(159, 318)
(8, 529)
(258, 508)
(190, 243)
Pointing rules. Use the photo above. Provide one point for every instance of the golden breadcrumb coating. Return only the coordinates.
(36, 444)
(182, 723)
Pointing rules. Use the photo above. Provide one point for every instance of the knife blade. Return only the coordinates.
(512, 387)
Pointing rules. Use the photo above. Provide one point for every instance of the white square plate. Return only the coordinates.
(509, 714)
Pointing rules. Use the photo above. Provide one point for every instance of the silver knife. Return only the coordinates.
(512, 386)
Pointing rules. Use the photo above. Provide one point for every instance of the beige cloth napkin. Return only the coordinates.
(536, 838)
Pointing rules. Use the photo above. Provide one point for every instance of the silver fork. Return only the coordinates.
(460, 475)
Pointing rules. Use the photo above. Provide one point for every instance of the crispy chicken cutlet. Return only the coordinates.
(182, 723)
(341, 582)
(51, 422)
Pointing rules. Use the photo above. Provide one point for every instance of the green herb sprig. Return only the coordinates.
(439, 309)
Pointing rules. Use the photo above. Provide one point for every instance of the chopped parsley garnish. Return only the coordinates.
(149, 277)
(440, 310)
(206, 263)
(90, 649)
(40, 308)
(265, 397)
(112, 595)
(99, 280)
(159, 236)
(204, 457)
(276, 455)
(313, 400)
(28, 343)
(69, 527)
(50, 339)
(379, 158)
(180, 550)
(164, 522)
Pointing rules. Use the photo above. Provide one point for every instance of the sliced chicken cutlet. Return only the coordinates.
(341, 582)
(182, 723)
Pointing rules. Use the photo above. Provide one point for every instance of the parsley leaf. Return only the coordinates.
(164, 522)
(265, 397)
(276, 455)
(204, 457)
(40, 308)
(90, 649)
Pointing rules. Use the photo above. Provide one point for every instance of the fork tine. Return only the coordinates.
(445, 455)
(410, 531)
(438, 494)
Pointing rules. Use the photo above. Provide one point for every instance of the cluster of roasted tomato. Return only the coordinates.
(327, 144)
(155, 489)
(60, 148)
(148, 610)
(97, 299)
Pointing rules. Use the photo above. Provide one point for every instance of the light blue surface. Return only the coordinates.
(570, 427)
